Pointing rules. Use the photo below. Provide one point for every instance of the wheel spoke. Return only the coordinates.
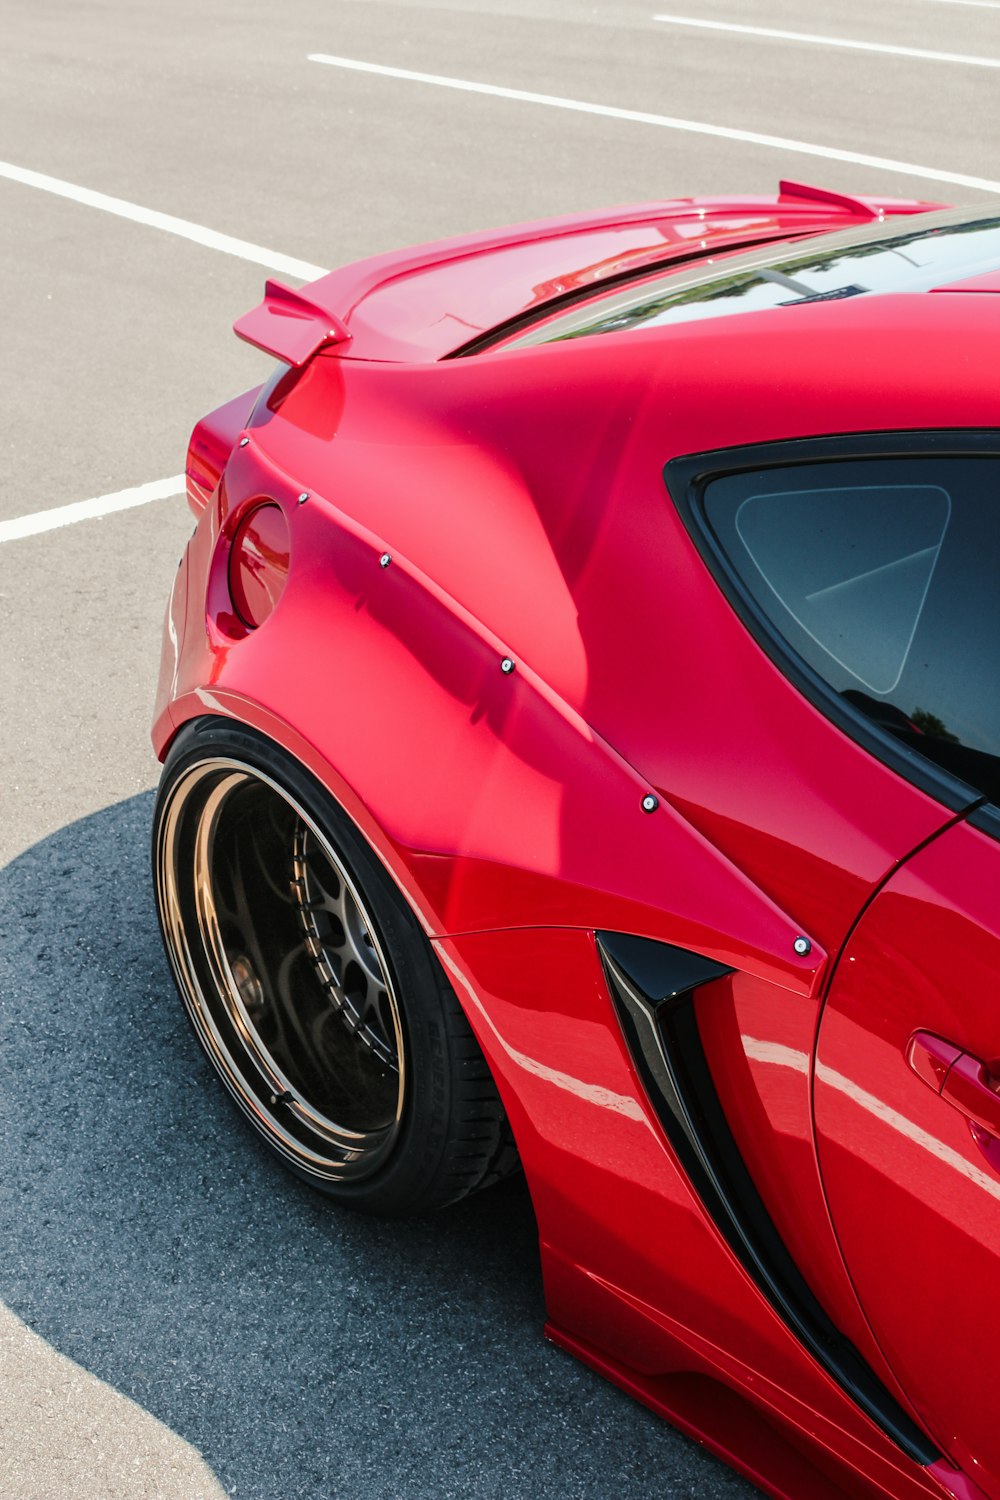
(340, 944)
(281, 970)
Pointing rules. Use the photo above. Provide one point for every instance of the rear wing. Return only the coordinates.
(431, 301)
(290, 326)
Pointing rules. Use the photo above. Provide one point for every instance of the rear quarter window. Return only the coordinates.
(883, 575)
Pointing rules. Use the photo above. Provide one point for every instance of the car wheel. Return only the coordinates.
(312, 987)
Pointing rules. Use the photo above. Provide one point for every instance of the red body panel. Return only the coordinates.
(893, 1148)
(516, 503)
(631, 1266)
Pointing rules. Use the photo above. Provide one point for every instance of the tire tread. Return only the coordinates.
(481, 1150)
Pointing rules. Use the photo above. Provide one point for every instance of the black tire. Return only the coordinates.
(311, 986)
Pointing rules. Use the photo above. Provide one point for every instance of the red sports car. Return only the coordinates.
(581, 746)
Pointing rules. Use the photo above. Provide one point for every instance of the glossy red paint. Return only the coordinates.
(637, 1281)
(258, 564)
(931, 1058)
(899, 1154)
(989, 281)
(210, 445)
(290, 326)
(512, 505)
(759, 1048)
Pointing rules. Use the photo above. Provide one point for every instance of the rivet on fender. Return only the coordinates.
(650, 803)
(303, 497)
(802, 946)
(384, 560)
(507, 665)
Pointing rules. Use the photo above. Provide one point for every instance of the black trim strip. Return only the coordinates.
(653, 987)
(986, 819)
(660, 971)
(686, 479)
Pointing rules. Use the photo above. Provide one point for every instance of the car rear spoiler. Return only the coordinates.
(401, 309)
(862, 207)
(290, 326)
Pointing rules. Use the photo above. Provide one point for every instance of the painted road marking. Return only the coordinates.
(667, 122)
(272, 260)
(830, 41)
(87, 510)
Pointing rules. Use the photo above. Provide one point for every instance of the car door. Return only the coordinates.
(907, 1113)
(872, 579)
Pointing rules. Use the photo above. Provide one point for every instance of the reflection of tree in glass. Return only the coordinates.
(930, 724)
(724, 286)
(897, 242)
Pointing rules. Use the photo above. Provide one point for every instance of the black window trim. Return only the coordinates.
(987, 819)
(686, 480)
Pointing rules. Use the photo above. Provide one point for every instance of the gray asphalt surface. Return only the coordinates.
(178, 1317)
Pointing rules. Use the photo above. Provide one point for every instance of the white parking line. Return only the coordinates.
(668, 122)
(830, 41)
(87, 510)
(272, 260)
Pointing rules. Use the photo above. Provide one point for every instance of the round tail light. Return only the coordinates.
(258, 564)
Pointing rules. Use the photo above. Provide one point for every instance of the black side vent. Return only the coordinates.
(654, 987)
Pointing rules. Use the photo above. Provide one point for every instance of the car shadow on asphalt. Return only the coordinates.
(303, 1350)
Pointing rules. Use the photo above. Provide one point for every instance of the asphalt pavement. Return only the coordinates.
(178, 1318)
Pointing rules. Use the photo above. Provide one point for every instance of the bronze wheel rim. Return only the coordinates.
(282, 969)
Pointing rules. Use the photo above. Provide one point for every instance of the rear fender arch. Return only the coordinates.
(492, 803)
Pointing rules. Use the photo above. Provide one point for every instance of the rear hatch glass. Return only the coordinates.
(940, 248)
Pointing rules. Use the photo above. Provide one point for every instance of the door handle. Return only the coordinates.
(973, 1089)
(963, 1080)
(930, 1057)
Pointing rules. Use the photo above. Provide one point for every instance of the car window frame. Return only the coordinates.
(687, 478)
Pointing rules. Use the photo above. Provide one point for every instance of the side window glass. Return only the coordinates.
(852, 566)
(884, 575)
